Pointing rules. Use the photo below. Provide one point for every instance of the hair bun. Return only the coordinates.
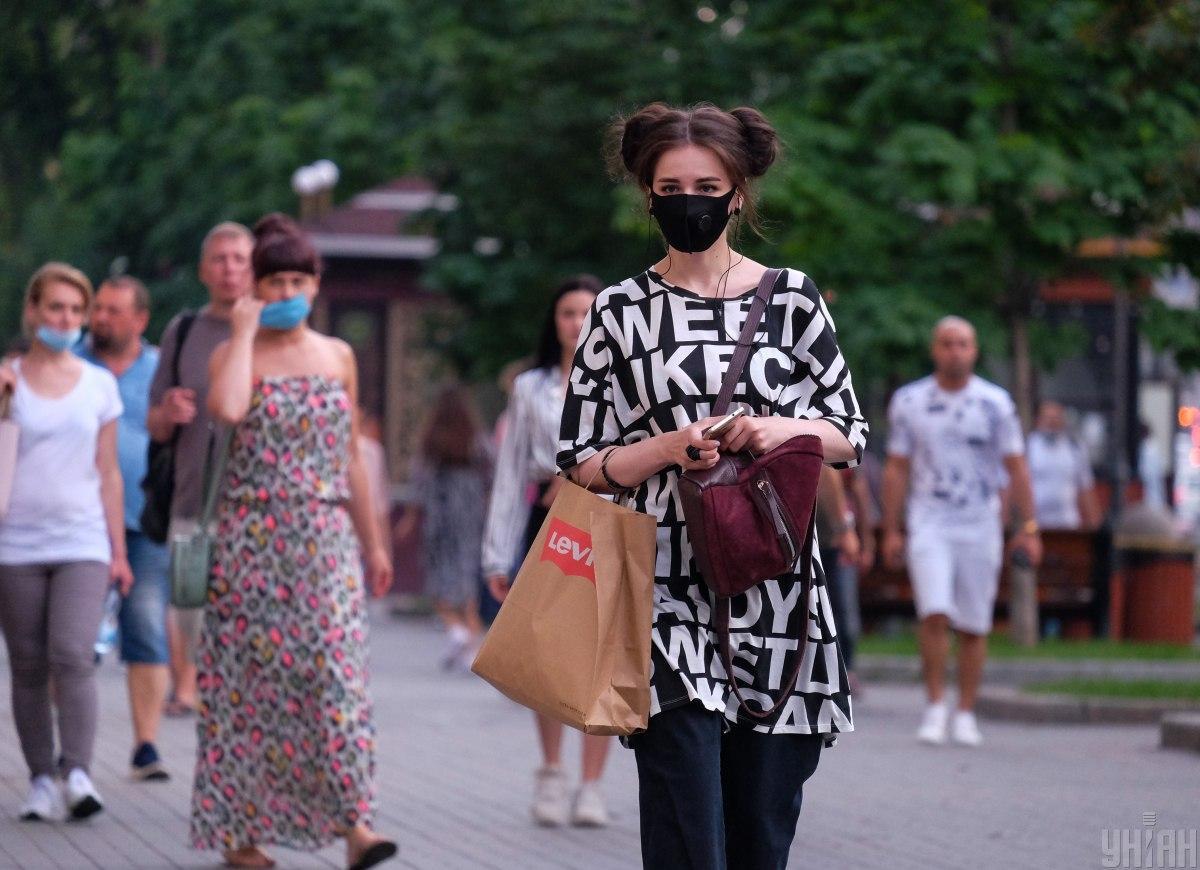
(762, 142)
(637, 127)
(275, 223)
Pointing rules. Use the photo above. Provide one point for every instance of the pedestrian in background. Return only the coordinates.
(179, 410)
(62, 542)
(1064, 494)
(527, 456)
(119, 317)
(717, 787)
(450, 487)
(840, 546)
(954, 443)
(286, 740)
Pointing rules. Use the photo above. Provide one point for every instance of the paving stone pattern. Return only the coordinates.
(455, 773)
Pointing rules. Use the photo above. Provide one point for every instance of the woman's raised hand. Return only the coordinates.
(243, 317)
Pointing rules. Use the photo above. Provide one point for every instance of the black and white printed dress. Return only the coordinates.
(650, 360)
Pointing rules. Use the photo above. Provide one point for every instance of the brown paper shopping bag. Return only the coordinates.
(572, 639)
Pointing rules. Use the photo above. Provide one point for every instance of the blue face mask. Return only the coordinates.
(286, 313)
(57, 339)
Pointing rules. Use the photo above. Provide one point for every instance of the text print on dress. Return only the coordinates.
(571, 550)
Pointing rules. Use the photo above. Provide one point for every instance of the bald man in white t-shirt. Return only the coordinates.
(954, 441)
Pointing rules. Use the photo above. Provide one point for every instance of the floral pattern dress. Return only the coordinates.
(286, 741)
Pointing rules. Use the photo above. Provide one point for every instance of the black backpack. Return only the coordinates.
(159, 483)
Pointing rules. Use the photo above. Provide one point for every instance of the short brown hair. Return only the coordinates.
(743, 139)
(141, 296)
(55, 271)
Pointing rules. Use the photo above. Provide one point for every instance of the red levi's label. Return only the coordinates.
(571, 550)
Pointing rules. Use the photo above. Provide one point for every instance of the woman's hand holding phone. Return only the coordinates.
(756, 434)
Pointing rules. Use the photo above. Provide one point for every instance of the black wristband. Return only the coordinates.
(612, 484)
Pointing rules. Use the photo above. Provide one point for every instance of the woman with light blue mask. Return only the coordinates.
(286, 738)
(62, 542)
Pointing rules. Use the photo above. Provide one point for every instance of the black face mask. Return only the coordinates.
(691, 223)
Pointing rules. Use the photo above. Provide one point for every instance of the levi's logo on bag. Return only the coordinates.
(570, 549)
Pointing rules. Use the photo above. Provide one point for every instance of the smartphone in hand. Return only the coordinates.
(719, 428)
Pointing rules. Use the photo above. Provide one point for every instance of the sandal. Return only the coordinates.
(176, 709)
(249, 857)
(376, 853)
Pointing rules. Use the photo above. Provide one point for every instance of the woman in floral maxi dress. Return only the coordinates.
(286, 739)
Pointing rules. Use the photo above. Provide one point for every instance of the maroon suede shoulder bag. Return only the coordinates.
(751, 518)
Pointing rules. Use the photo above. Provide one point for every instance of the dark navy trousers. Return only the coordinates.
(717, 800)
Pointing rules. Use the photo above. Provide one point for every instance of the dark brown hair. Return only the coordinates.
(452, 430)
(550, 349)
(743, 140)
(281, 246)
(141, 296)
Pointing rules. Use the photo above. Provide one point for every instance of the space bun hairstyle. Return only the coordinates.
(281, 246)
(743, 139)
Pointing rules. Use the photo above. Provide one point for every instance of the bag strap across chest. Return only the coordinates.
(745, 341)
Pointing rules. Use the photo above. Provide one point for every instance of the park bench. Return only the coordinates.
(1072, 585)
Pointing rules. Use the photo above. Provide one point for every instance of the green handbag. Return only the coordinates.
(192, 553)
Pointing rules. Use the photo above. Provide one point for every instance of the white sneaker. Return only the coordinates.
(550, 804)
(590, 810)
(933, 725)
(82, 797)
(44, 802)
(457, 642)
(964, 730)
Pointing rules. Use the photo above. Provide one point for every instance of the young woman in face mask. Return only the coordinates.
(718, 789)
(62, 541)
(286, 740)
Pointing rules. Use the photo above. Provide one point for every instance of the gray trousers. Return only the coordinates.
(50, 614)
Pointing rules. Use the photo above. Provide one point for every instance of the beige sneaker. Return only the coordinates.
(590, 809)
(551, 806)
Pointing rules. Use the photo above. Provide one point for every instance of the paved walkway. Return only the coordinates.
(455, 775)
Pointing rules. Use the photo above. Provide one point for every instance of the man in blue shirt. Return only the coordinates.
(119, 316)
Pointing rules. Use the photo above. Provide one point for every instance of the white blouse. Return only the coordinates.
(527, 455)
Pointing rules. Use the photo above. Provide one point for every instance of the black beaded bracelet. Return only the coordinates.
(612, 484)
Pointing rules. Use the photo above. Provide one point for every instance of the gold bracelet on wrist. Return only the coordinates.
(1030, 527)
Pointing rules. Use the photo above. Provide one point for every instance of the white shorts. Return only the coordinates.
(955, 570)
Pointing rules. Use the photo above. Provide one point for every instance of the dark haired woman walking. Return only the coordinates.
(286, 740)
(450, 490)
(526, 459)
(718, 789)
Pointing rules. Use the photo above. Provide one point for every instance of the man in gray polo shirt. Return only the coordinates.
(225, 272)
(954, 442)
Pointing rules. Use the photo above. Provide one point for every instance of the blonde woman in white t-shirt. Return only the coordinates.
(62, 542)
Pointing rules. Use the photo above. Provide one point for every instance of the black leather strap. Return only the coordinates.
(186, 320)
(745, 341)
(722, 629)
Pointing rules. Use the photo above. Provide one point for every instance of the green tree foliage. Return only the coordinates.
(941, 157)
